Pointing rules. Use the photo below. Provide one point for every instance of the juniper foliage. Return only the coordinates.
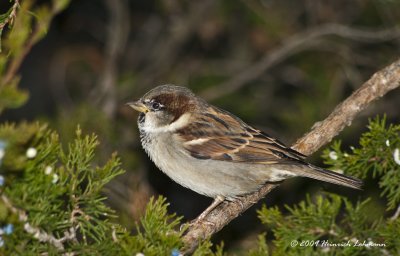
(332, 224)
(52, 200)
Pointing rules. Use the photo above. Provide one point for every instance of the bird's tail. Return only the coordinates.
(315, 172)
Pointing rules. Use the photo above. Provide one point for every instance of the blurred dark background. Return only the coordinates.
(279, 65)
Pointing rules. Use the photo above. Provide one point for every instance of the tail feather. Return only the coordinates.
(314, 172)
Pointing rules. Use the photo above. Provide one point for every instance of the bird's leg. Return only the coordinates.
(217, 201)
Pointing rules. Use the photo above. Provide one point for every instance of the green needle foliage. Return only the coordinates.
(28, 23)
(156, 230)
(374, 158)
(51, 196)
(57, 190)
(333, 225)
(52, 199)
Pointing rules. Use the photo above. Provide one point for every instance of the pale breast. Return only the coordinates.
(207, 177)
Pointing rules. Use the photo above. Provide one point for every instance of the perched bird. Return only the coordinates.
(213, 152)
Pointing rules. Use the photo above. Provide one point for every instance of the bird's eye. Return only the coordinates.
(156, 106)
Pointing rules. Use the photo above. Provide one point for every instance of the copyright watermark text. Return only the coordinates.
(327, 243)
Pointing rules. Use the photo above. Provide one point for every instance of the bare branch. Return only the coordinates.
(378, 85)
(396, 214)
(11, 15)
(9, 19)
(323, 132)
(117, 36)
(296, 43)
(36, 34)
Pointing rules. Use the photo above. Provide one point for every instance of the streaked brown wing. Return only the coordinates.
(218, 135)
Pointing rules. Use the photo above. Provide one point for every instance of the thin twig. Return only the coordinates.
(12, 13)
(16, 61)
(117, 37)
(323, 132)
(10, 18)
(396, 214)
(379, 84)
(293, 45)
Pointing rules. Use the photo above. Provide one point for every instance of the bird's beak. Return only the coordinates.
(138, 106)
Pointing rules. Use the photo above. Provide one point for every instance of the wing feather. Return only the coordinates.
(218, 135)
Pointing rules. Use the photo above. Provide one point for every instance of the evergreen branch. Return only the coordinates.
(66, 216)
(38, 233)
(36, 35)
(17, 61)
(8, 18)
(322, 132)
(10, 15)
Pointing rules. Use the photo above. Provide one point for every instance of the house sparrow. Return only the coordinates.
(213, 152)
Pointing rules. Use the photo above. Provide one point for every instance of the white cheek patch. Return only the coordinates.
(150, 125)
(181, 122)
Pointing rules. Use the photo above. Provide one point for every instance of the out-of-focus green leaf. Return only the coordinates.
(11, 96)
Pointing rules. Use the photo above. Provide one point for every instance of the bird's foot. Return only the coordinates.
(201, 219)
